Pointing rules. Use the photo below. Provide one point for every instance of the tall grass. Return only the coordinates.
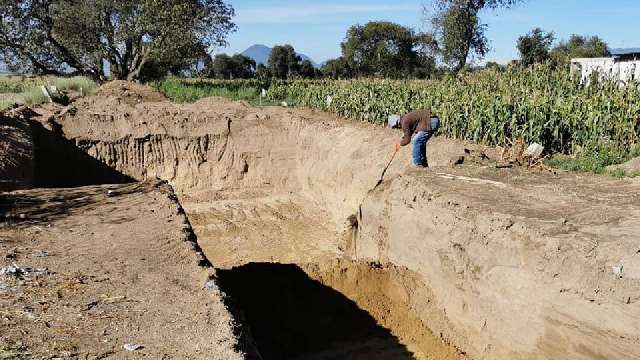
(27, 90)
(76, 83)
(186, 91)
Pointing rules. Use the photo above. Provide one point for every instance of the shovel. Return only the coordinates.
(386, 167)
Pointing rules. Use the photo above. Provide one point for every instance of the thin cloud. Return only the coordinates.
(296, 14)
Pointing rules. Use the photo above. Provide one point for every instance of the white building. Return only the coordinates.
(623, 66)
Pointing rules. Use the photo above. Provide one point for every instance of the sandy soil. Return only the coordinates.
(450, 262)
(105, 266)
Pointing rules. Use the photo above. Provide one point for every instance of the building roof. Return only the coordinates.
(625, 51)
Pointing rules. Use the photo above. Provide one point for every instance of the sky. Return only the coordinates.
(316, 28)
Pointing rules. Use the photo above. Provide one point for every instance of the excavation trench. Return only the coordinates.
(283, 264)
(337, 311)
(317, 265)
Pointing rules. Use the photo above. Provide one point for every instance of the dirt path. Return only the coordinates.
(103, 267)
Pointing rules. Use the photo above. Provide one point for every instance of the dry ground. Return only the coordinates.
(443, 263)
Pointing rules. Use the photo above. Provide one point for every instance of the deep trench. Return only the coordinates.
(282, 313)
(290, 316)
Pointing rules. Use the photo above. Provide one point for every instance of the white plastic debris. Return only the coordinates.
(16, 270)
(12, 270)
(617, 270)
(534, 151)
(133, 346)
(41, 253)
(329, 100)
(284, 104)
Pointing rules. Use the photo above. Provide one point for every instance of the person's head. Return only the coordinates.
(393, 121)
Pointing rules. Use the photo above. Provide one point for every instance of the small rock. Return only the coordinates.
(210, 285)
(41, 253)
(284, 104)
(133, 346)
(456, 160)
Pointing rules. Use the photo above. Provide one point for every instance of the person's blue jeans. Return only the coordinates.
(420, 143)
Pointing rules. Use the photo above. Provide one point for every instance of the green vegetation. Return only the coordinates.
(26, 90)
(76, 83)
(597, 125)
(596, 160)
(16, 84)
(8, 352)
(138, 38)
(187, 91)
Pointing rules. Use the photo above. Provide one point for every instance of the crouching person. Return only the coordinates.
(418, 127)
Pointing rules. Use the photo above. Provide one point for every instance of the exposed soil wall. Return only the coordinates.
(517, 265)
(16, 151)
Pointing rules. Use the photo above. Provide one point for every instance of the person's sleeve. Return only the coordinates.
(406, 138)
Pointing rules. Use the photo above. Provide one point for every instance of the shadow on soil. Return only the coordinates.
(41, 206)
(60, 163)
(287, 315)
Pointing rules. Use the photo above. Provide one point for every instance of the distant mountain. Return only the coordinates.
(260, 54)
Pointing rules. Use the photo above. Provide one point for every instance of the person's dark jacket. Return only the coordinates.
(414, 122)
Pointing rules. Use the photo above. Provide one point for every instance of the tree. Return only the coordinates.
(385, 49)
(262, 72)
(535, 46)
(283, 62)
(307, 70)
(492, 65)
(458, 30)
(336, 69)
(80, 37)
(224, 66)
(579, 47)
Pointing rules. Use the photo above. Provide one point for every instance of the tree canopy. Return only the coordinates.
(224, 66)
(283, 62)
(458, 30)
(384, 49)
(535, 46)
(80, 37)
(336, 69)
(579, 47)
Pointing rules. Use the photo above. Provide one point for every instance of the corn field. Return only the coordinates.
(543, 104)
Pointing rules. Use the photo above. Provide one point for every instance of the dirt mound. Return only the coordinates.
(630, 167)
(130, 92)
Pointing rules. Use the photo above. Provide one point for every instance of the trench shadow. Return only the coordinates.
(59, 163)
(287, 315)
(15, 162)
(41, 206)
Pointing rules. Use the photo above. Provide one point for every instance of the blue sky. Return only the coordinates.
(316, 28)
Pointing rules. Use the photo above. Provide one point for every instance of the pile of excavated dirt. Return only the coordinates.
(88, 270)
(489, 263)
(632, 166)
(130, 93)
